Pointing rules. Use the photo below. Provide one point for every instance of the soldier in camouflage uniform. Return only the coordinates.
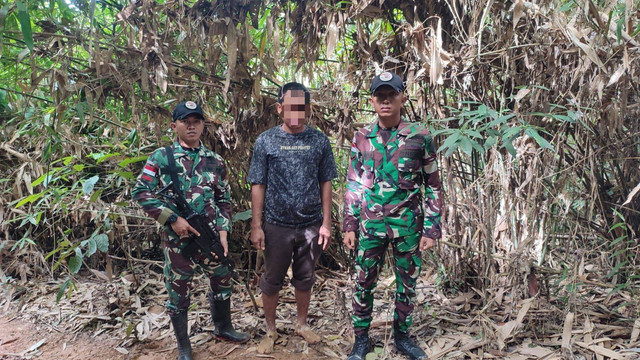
(391, 161)
(203, 180)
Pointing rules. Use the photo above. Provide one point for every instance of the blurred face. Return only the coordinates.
(387, 102)
(293, 111)
(189, 130)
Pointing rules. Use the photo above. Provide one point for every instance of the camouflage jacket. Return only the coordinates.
(203, 180)
(384, 183)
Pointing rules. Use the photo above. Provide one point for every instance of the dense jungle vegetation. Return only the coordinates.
(534, 106)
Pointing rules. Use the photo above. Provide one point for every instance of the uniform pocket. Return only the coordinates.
(410, 169)
(367, 179)
(209, 177)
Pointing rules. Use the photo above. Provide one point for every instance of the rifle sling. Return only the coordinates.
(192, 247)
(197, 241)
(172, 170)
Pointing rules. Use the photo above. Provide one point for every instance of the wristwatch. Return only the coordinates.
(172, 218)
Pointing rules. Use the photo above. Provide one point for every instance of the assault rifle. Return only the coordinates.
(209, 240)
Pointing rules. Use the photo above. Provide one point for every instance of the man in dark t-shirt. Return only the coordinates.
(291, 172)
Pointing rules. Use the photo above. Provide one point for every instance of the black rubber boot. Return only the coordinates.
(406, 346)
(180, 326)
(221, 317)
(361, 347)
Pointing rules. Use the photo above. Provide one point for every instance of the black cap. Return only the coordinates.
(185, 109)
(387, 78)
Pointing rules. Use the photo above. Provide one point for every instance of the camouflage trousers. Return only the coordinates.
(369, 261)
(179, 270)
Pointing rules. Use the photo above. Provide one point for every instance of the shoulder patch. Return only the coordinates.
(149, 171)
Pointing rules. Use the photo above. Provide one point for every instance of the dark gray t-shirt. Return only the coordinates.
(292, 166)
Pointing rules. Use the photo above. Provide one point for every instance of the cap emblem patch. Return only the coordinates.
(386, 76)
(190, 105)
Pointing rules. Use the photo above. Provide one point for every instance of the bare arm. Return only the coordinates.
(257, 206)
(325, 195)
(325, 230)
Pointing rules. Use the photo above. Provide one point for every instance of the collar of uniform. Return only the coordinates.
(373, 130)
(178, 150)
(402, 125)
(404, 128)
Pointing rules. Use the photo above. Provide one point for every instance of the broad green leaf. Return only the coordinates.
(96, 195)
(92, 247)
(96, 156)
(67, 160)
(102, 242)
(126, 175)
(242, 216)
(89, 184)
(75, 262)
(435, 133)
(450, 141)
(133, 135)
(450, 151)
(25, 24)
(30, 199)
(474, 134)
(465, 144)
(494, 114)
(491, 140)
(478, 147)
(539, 139)
(82, 108)
(57, 250)
(3, 13)
(568, 6)
(4, 104)
(371, 356)
(62, 289)
(130, 328)
(131, 160)
(105, 157)
(511, 133)
(563, 118)
(501, 120)
(509, 146)
(35, 218)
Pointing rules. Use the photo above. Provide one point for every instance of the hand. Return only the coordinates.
(349, 240)
(224, 243)
(324, 236)
(257, 238)
(426, 243)
(182, 228)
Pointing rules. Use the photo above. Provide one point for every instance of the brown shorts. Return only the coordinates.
(284, 244)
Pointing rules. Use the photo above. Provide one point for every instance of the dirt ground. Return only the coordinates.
(125, 319)
(21, 339)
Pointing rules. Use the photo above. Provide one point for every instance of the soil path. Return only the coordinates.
(21, 339)
(125, 319)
